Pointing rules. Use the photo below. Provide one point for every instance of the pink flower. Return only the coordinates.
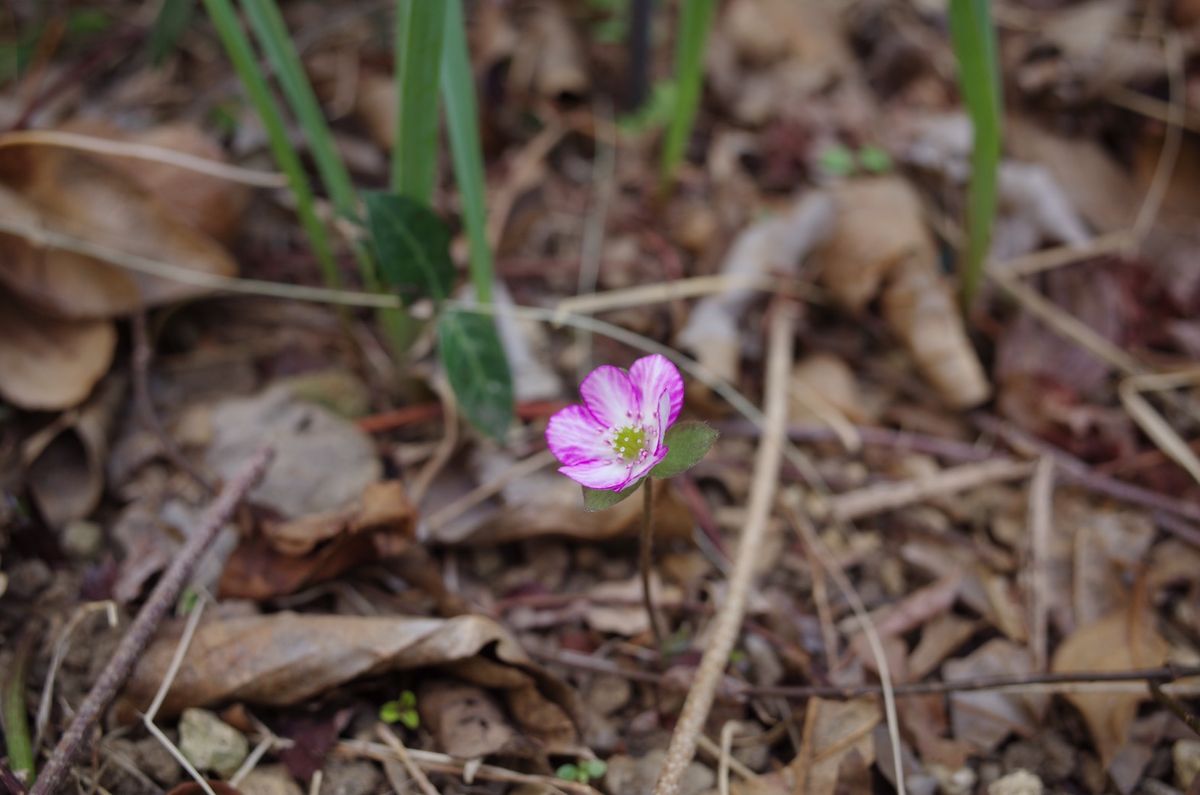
(616, 437)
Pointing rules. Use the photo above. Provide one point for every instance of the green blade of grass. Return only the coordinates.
(458, 95)
(974, 39)
(272, 35)
(237, 46)
(420, 31)
(174, 17)
(695, 19)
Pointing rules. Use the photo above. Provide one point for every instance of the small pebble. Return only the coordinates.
(209, 743)
(1018, 782)
(1186, 755)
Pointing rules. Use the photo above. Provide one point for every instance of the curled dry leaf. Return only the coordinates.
(1121, 641)
(289, 555)
(64, 462)
(826, 379)
(46, 363)
(837, 736)
(83, 196)
(771, 247)
(287, 658)
(880, 242)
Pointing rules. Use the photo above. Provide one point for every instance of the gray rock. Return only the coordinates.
(211, 744)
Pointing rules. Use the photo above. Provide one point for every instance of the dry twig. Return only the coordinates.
(161, 599)
(729, 619)
(418, 775)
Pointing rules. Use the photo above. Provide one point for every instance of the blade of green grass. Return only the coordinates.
(420, 31)
(272, 35)
(974, 39)
(695, 19)
(458, 95)
(237, 46)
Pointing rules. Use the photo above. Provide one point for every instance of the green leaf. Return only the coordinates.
(408, 699)
(687, 443)
(974, 38)
(837, 160)
(477, 369)
(420, 31)
(413, 246)
(174, 17)
(568, 772)
(695, 19)
(410, 718)
(462, 126)
(874, 159)
(594, 768)
(390, 712)
(602, 499)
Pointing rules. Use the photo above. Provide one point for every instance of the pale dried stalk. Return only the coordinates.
(729, 619)
(1041, 503)
(146, 152)
(883, 497)
(417, 774)
(1150, 421)
(675, 290)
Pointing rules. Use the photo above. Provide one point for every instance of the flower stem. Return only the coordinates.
(646, 559)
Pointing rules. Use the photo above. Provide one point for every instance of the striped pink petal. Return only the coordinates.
(610, 396)
(610, 474)
(574, 436)
(655, 376)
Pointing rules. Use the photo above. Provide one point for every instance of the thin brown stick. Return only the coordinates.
(734, 692)
(143, 354)
(729, 619)
(165, 593)
(646, 561)
(418, 775)
(872, 436)
(1175, 706)
(1072, 469)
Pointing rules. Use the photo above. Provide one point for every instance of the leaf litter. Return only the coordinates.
(483, 587)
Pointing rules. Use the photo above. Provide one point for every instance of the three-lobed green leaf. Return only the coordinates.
(477, 368)
(413, 246)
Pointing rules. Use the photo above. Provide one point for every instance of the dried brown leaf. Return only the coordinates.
(290, 555)
(1121, 641)
(985, 718)
(46, 363)
(85, 197)
(466, 720)
(836, 734)
(288, 658)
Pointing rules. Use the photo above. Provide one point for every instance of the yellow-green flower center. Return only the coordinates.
(630, 442)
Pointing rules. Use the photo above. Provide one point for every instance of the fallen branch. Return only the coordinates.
(729, 619)
(164, 596)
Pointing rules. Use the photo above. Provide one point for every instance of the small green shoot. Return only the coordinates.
(237, 46)
(585, 772)
(655, 113)
(695, 19)
(403, 711)
(462, 124)
(837, 161)
(874, 159)
(974, 38)
(174, 18)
